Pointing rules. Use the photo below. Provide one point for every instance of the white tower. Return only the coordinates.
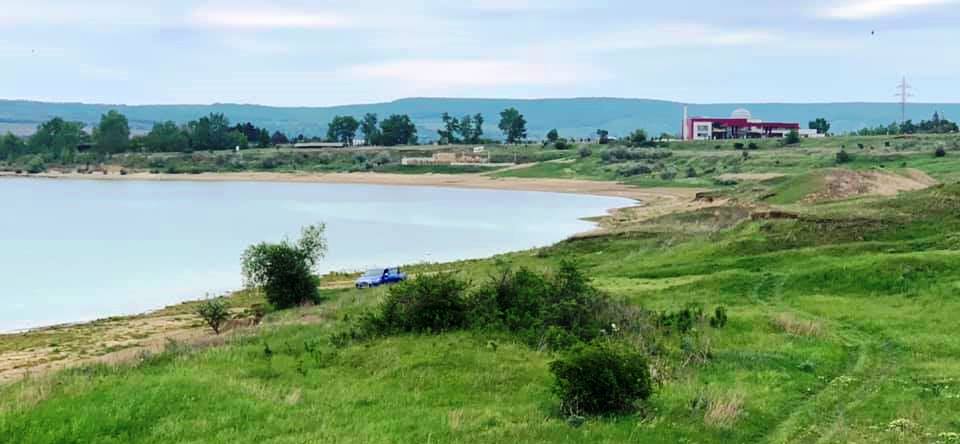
(683, 131)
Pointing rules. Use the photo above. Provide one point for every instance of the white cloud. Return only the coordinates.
(677, 36)
(470, 73)
(266, 18)
(868, 9)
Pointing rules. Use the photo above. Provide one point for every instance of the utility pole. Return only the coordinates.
(903, 93)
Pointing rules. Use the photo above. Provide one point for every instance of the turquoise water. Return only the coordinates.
(81, 250)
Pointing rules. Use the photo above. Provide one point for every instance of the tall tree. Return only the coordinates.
(166, 137)
(112, 135)
(477, 128)
(368, 125)
(11, 147)
(553, 136)
(343, 129)
(821, 125)
(57, 136)
(398, 130)
(513, 125)
(637, 138)
(279, 138)
(451, 127)
(603, 136)
(263, 140)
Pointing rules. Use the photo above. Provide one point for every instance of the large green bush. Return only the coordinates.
(426, 304)
(284, 271)
(599, 379)
(540, 306)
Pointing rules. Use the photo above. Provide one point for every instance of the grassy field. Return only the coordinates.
(844, 320)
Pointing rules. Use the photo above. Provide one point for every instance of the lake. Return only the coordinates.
(73, 250)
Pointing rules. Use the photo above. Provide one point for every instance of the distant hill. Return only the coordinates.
(579, 117)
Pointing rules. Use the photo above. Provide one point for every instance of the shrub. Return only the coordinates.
(668, 175)
(556, 309)
(425, 304)
(753, 146)
(843, 157)
(738, 146)
(793, 138)
(285, 270)
(940, 152)
(562, 144)
(584, 152)
(691, 172)
(681, 320)
(634, 169)
(719, 319)
(214, 313)
(600, 379)
(36, 165)
(621, 154)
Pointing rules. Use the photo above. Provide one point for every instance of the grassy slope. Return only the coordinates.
(880, 284)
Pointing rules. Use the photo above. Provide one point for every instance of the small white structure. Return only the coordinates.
(479, 149)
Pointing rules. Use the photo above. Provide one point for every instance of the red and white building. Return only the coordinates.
(740, 125)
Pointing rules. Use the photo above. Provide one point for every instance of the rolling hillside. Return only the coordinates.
(577, 117)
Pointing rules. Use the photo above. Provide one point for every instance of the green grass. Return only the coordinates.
(884, 294)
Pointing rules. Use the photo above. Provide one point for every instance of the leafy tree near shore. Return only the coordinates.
(513, 125)
(343, 129)
(11, 147)
(553, 136)
(368, 126)
(284, 271)
(398, 130)
(112, 135)
(637, 138)
(820, 124)
(166, 137)
(451, 127)
(57, 136)
(471, 128)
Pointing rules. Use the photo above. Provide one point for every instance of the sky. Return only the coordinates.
(320, 53)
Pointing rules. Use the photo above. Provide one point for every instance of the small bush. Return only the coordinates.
(753, 146)
(738, 146)
(691, 172)
(843, 157)
(668, 175)
(585, 152)
(425, 304)
(940, 152)
(214, 313)
(682, 320)
(634, 169)
(35, 165)
(719, 319)
(562, 144)
(601, 379)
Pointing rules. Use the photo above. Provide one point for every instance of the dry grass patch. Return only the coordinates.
(723, 411)
(790, 324)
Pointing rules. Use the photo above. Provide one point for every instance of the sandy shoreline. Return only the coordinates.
(479, 181)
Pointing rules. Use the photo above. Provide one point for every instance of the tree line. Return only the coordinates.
(936, 125)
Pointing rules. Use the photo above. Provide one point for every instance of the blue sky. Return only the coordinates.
(315, 53)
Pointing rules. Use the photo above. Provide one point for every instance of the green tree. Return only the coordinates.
(793, 138)
(637, 138)
(11, 147)
(279, 138)
(603, 136)
(214, 313)
(513, 125)
(56, 136)
(112, 135)
(821, 125)
(398, 130)
(343, 129)
(166, 137)
(477, 133)
(553, 136)
(285, 270)
(263, 140)
(368, 125)
(448, 133)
